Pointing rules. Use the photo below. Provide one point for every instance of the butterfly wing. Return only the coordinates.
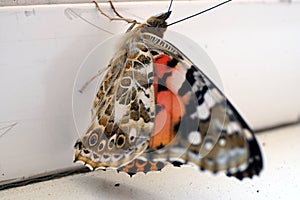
(123, 112)
(195, 123)
(142, 165)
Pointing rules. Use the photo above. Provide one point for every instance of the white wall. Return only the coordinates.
(255, 47)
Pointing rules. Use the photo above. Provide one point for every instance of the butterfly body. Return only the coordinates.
(154, 107)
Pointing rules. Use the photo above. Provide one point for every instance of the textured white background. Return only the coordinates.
(255, 47)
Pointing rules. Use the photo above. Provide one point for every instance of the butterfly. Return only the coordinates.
(155, 107)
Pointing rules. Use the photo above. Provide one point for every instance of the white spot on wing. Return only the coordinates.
(209, 100)
(236, 153)
(80, 162)
(100, 168)
(217, 95)
(143, 158)
(159, 159)
(132, 134)
(178, 151)
(90, 167)
(233, 170)
(222, 142)
(209, 162)
(203, 111)
(194, 138)
(222, 159)
(243, 166)
(120, 111)
(176, 80)
(233, 127)
(193, 156)
(208, 145)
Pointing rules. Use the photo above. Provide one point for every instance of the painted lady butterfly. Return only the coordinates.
(154, 107)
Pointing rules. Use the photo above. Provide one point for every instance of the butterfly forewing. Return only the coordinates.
(210, 134)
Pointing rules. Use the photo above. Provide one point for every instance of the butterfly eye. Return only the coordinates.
(93, 139)
(121, 141)
(101, 145)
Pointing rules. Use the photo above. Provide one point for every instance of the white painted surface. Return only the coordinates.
(279, 180)
(255, 47)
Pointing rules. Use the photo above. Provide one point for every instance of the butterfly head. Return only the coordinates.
(156, 24)
(159, 21)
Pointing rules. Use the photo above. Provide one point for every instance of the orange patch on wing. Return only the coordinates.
(172, 107)
(161, 65)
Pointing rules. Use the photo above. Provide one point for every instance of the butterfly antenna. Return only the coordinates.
(70, 12)
(199, 13)
(170, 6)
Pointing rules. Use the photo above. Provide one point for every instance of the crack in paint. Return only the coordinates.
(4, 129)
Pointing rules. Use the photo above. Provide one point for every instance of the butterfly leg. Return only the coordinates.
(120, 17)
(114, 9)
(99, 73)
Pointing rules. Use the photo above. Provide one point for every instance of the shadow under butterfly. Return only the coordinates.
(155, 107)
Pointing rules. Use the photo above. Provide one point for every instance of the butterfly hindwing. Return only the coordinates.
(142, 165)
(123, 112)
